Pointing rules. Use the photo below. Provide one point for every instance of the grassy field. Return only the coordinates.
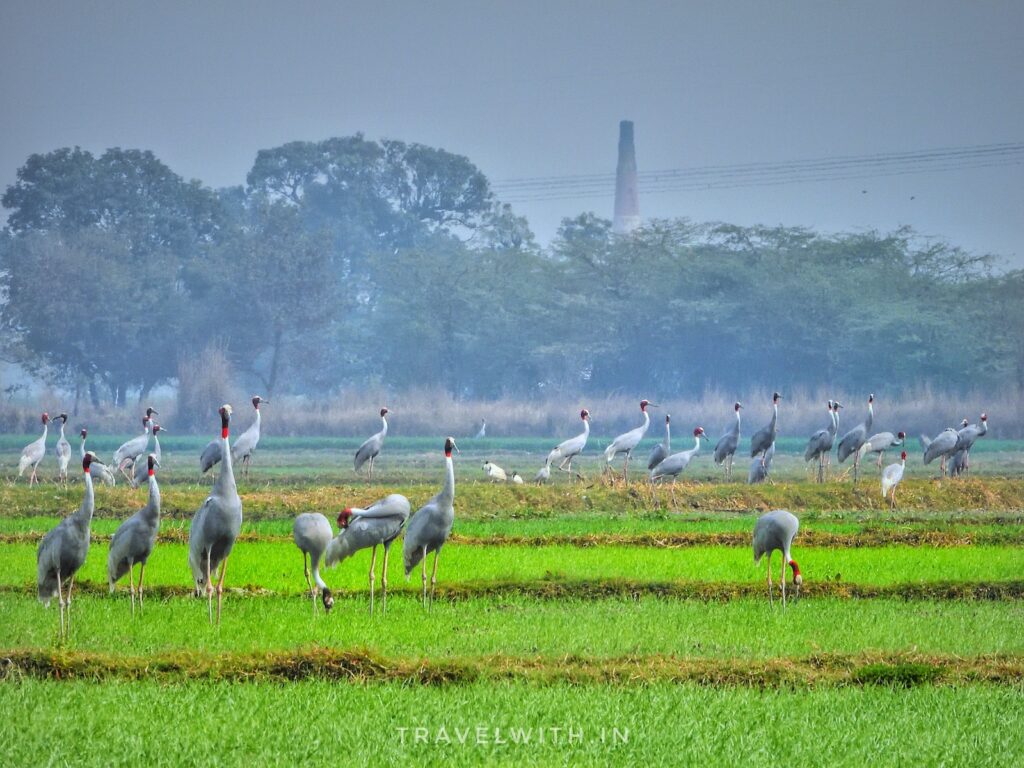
(590, 605)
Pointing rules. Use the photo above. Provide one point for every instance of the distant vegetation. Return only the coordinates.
(357, 264)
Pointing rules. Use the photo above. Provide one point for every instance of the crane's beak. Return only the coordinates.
(456, 448)
(653, 405)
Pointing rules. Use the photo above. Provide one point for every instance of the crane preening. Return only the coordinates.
(135, 538)
(627, 441)
(378, 524)
(775, 531)
(97, 468)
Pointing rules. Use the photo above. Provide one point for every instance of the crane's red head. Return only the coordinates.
(903, 455)
(46, 418)
(797, 578)
(449, 446)
(256, 400)
(225, 419)
(737, 405)
(585, 414)
(87, 460)
(145, 421)
(984, 417)
(151, 463)
(776, 397)
(644, 404)
(84, 433)
(871, 397)
(384, 412)
(156, 428)
(344, 518)
(698, 432)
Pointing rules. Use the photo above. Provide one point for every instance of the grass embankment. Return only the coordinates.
(155, 723)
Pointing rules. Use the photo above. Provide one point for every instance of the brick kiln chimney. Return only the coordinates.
(627, 204)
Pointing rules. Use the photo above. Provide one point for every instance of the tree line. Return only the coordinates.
(349, 262)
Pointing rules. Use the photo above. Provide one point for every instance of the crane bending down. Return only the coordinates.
(567, 450)
(662, 450)
(852, 441)
(215, 526)
(626, 442)
(431, 526)
(891, 477)
(312, 533)
(674, 465)
(63, 451)
(765, 436)
(819, 446)
(135, 538)
(879, 443)
(34, 452)
(725, 450)
(773, 531)
(380, 523)
(369, 450)
(63, 551)
(760, 469)
(97, 468)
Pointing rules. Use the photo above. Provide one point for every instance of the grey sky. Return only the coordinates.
(531, 89)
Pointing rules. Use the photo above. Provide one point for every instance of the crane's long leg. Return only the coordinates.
(783, 579)
(384, 581)
(220, 586)
(60, 601)
(424, 576)
(209, 588)
(131, 586)
(771, 600)
(879, 462)
(433, 578)
(373, 565)
(142, 573)
(305, 572)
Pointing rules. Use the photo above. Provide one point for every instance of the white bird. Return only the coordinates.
(773, 531)
(626, 442)
(494, 473)
(567, 450)
(141, 471)
(97, 468)
(135, 538)
(431, 526)
(130, 450)
(891, 477)
(63, 451)
(33, 453)
(369, 450)
(216, 525)
(482, 432)
(516, 478)
(63, 551)
(380, 523)
(312, 534)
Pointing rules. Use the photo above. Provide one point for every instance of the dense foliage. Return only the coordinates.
(350, 261)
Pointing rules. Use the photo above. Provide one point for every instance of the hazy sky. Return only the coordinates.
(530, 89)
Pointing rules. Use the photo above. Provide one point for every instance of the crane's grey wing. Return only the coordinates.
(657, 456)
(211, 455)
(726, 446)
(395, 505)
(367, 450)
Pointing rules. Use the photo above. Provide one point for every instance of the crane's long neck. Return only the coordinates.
(62, 431)
(83, 448)
(448, 490)
(736, 428)
(871, 416)
(775, 418)
(46, 428)
(316, 575)
(984, 428)
(696, 443)
(384, 426)
(84, 514)
(647, 421)
(152, 510)
(586, 428)
(668, 439)
(226, 479)
(834, 422)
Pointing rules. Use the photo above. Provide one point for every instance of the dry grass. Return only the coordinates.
(434, 411)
